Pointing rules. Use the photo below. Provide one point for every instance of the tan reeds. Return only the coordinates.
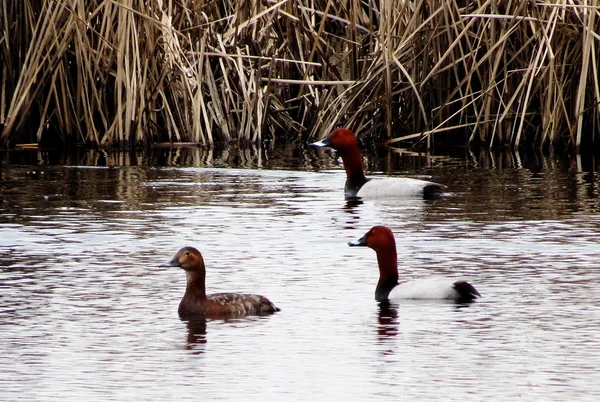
(107, 72)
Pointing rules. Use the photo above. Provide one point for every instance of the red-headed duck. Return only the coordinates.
(359, 186)
(381, 239)
(196, 302)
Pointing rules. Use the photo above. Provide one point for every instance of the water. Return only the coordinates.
(87, 313)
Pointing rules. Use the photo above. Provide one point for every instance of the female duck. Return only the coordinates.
(358, 186)
(195, 300)
(381, 239)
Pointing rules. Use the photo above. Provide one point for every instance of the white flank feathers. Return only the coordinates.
(426, 288)
(393, 187)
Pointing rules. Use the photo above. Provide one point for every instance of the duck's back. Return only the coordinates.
(242, 303)
(235, 304)
(398, 187)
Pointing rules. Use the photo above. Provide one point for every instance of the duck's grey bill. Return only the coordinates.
(360, 242)
(321, 144)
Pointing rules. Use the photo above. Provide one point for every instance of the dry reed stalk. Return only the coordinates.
(107, 72)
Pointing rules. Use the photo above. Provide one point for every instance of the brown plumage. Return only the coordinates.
(196, 302)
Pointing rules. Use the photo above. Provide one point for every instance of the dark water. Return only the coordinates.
(86, 313)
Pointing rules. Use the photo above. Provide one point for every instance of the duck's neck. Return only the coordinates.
(196, 284)
(388, 272)
(355, 175)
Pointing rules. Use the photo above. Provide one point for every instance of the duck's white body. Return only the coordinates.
(425, 288)
(394, 187)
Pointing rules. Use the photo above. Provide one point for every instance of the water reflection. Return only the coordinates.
(511, 180)
(198, 332)
(387, 328)
(196, 338)
(226, 155)
(300, 156)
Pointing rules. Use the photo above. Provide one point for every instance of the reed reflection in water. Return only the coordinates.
(85, 311)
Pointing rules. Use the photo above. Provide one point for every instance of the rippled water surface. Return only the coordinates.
(87, 313)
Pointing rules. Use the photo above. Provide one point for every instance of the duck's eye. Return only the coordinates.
(187, 253)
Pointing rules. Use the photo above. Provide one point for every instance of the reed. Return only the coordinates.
(131, 72)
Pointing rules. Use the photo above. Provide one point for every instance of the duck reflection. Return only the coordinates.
(351, 207)
(197, 325)
(351, 204)
(387, 327)
(196, 337)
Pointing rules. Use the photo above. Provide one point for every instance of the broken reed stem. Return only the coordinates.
(142, 72)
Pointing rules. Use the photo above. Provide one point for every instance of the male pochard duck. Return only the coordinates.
(358, 186)
(196, 302)
(381, 239)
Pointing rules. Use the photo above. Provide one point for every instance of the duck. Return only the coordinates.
(381, 239)
(358, 186)
(195, 301)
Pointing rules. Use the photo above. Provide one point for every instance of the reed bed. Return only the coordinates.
(133, 72)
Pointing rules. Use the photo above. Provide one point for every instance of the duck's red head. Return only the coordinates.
(189, 259)
(381, 239)
(345, 143)
(342, 140)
